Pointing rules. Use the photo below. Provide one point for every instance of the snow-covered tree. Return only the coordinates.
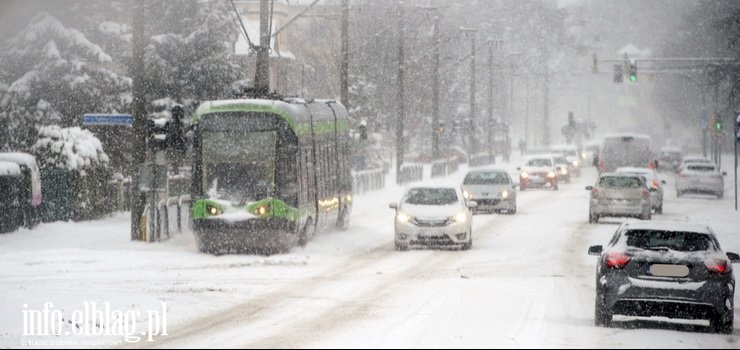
(53, 75)
(74, 171)
(189, 56)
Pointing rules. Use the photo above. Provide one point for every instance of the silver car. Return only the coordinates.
(492, 189)
(700, 178)
(433, 215)
(655, 185)
(624, 195)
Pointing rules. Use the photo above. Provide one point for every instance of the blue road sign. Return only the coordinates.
(704, 122)
(107, 119)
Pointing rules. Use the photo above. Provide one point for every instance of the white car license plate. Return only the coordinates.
(667, 270)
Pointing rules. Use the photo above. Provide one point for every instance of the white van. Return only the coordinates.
(625, 150)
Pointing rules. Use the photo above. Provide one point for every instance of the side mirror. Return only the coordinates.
(514, 186)
(589, 188)
(472, 204)
(724, 173)
(653, 189)
(734, 258)
(595, 250)
(519, 168)
(663, 182)
(393, 205)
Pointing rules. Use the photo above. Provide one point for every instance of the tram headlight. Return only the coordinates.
(213, 210)
(261, 210)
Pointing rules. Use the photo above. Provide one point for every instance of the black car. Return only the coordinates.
(667, 269)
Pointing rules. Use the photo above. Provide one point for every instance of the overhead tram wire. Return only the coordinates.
(244, 29)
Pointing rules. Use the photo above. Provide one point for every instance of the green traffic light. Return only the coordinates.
(718, 126)
(633, 78)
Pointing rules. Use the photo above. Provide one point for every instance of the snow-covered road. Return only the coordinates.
(527, 282)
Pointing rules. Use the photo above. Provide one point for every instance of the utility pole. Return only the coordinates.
(138, 107)
(262, 74)
(435, 81)
(473, 144)
(344, 69)
(546, 109)
(435, 91)
(400, 100)
(489, 128)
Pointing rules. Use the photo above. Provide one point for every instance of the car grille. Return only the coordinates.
(487, 202)
(431, 223)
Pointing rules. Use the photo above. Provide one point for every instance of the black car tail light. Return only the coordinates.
(614, 260)
(717, 266)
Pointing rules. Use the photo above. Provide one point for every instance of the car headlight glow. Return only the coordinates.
(403, 217)
(551, 174)
(524, 175)
(467, 195)
(461, 216)
(575, 163)
(564, 171)
(505, 194)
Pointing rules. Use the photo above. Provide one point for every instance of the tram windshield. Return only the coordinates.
(238, 166)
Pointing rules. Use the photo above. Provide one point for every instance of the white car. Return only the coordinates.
(700, 178)
(433, 215)
(693, 159)
(492, 189)
(654, 183)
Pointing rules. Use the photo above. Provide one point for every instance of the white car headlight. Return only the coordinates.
(524, 175)
(505, 194)
(461, 216)
(575, 163)
(551, 174)
(403, 217)
(467, 195)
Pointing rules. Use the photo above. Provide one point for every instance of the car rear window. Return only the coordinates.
(673, 240)
(431, 196)
(486, 179)
(620, 182)
(539, 162)
(702, 168)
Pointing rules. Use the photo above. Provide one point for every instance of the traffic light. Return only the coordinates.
(157, 132)
(633, 72)
(618, 73)
(718, 124)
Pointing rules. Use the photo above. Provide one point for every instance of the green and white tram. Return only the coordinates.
(268, 174)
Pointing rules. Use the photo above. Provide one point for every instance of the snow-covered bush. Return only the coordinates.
(74, 174)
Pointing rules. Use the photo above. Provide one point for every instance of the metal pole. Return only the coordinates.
(400, 99)
(546, 110)
(344, 69)
(435, 91)
(473, 143)
(489, 127)
(262, 75)
(138, 107)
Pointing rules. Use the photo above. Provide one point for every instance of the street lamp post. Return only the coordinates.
(473, 141)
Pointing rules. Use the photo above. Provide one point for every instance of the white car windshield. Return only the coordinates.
(431, 196)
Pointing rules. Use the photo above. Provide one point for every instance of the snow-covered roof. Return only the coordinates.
(666, 226)
(19, 158)
(8, 168)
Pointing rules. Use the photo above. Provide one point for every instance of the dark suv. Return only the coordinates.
(667, 269)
